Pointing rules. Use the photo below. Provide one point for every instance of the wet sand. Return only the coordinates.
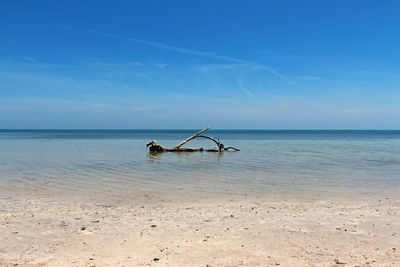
(149, 229)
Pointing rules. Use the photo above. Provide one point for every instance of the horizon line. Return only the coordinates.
(187, 129)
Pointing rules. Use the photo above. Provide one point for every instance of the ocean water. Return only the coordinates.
(270, 161)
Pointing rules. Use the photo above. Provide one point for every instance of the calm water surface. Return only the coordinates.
(117, 161)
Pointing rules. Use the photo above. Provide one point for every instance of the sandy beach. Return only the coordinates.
(199, 133)
(48, 229)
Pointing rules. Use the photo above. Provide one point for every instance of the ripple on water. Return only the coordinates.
(267, 165)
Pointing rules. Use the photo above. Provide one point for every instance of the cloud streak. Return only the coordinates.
(241, 86)
(253, 64)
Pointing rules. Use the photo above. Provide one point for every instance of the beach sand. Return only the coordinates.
(149, 229)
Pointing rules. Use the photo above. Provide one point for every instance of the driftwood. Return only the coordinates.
(190, 138)
(154, 147)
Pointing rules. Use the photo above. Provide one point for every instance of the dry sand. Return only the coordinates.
(39, 229)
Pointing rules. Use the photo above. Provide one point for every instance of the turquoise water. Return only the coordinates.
(116, 161)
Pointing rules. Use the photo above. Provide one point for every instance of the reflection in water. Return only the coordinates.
(154, 155)
(213, 156)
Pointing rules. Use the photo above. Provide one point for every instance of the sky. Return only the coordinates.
(190, 64)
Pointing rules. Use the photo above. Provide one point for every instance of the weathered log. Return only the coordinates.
(191, 137)
(184, 149)
(220, 146)
(154, 147)
(231, 147)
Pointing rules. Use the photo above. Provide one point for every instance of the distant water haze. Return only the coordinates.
(270, 162)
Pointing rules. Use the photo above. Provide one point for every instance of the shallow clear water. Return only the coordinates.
(117, 161)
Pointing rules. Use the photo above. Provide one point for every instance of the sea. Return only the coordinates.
(291, 162)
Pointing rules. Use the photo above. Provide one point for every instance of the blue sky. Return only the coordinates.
(189, 64)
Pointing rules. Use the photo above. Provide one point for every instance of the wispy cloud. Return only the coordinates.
(102, 64)
(92, 64)
(241, 86)
(307, 78)
(253, 64)
(51, 104)
(274, 53)
(30, 59)
(211, 67)
(146, 107)
(161, 65)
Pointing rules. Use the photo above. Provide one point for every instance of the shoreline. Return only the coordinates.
(42, 228)
(349, 194)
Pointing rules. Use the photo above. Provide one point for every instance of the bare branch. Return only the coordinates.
(190, 138)
(154, 147)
